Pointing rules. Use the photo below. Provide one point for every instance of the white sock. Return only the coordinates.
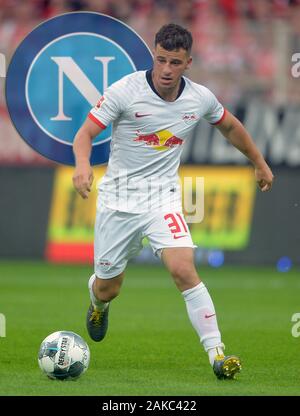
(202, 315)
(96, 302)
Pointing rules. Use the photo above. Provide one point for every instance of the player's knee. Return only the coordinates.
(181, 270)
(184, 274)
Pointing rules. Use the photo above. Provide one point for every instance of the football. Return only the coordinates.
(64, 355)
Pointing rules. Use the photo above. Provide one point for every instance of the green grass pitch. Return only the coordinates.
(151, 347)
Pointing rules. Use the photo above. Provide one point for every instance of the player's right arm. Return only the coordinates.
(82, 148)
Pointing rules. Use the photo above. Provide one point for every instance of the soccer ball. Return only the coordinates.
(64, 355)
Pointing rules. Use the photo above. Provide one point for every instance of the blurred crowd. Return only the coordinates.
(242, 48)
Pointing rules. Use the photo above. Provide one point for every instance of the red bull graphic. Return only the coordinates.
(189, 117)
(161, 140)
(173, 141)
(150, 139)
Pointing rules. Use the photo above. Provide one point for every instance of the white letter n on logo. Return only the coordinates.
(67, 66)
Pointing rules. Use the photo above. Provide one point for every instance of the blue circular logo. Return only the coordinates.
(60, 71)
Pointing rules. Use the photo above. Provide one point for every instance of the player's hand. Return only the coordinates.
(264, 177)
(82, 179)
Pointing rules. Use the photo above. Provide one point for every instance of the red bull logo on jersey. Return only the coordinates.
(190, 117)
(161, 140)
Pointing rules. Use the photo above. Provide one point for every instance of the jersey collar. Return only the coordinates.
(150, 82)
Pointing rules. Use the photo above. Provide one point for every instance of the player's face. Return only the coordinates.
(168, 67)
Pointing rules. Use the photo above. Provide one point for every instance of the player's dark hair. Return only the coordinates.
(172, 37)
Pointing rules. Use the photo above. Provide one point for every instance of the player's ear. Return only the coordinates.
(189, 62)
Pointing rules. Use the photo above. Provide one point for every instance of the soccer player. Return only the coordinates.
(153, 113)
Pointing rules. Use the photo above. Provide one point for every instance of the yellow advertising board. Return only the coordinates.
(228, 201)
(229, 195)
(71, 221)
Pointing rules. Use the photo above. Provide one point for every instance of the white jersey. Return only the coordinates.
(148, 134)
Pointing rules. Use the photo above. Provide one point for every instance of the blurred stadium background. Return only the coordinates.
(243, 52)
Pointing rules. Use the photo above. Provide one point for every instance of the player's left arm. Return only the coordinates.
(237, 135)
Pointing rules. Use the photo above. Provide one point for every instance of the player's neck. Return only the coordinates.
(169, 94)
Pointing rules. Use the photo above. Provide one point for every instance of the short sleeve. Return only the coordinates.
(110, 106)
(215, 112)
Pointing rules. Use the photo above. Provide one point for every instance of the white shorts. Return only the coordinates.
(119, 235)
